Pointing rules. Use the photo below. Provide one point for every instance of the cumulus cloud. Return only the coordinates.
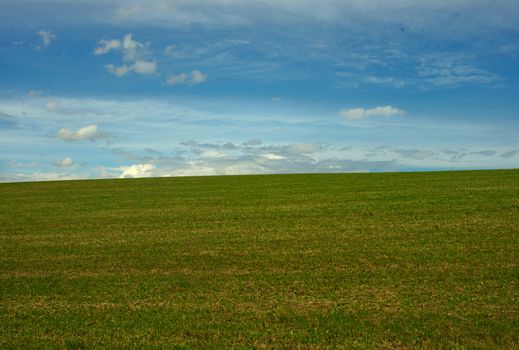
(133, 49)
(197, 77)
(272, 156)
(105, 46)
(137, 170)
(362, 113)
(47, 37)
(134, 55)
(64, 162)
(90, 132)
(117, 71)
(139, 67)
(194, 78)
(144, 67)
(177, 79)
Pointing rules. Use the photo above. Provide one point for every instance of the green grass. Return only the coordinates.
(362, 261)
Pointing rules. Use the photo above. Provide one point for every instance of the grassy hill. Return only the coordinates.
(428, 260)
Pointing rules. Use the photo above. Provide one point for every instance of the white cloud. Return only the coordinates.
(362, 113)
(105, 46)
(212, 154)
(134, 55)
(117, 71)
(144, 67)
(90, 132)
(51, 106)
(64, 162)
(55, 107)
(137, 170)
(177, 79)
(198, 77)
(140, 67)
(47, 38)
(133, 50)
(194, 78)
(272, 156)
(376, 80)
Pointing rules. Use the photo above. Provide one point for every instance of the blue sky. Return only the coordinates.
(99, 89)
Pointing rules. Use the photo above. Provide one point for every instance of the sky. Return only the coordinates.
(118, 89)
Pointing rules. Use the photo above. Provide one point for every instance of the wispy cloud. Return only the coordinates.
(451, 70)
(177, 79)
(362, 113)
(35, 93)
(510, 154)
(194, 78)
(391, 81)
(410, 68)
(47, 37)
(41, 176)
(90, 132)
(418, 154)
(439, 16)
(7, 120)
(54, 106)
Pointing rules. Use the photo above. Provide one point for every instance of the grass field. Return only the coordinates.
(407, 260)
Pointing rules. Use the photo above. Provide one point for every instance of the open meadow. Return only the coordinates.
(362, 261)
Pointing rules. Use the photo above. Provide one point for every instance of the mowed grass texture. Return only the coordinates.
(408, 260)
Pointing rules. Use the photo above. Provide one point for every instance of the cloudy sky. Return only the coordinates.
(96, 89)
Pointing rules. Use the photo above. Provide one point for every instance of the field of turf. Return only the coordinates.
(361, 261)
